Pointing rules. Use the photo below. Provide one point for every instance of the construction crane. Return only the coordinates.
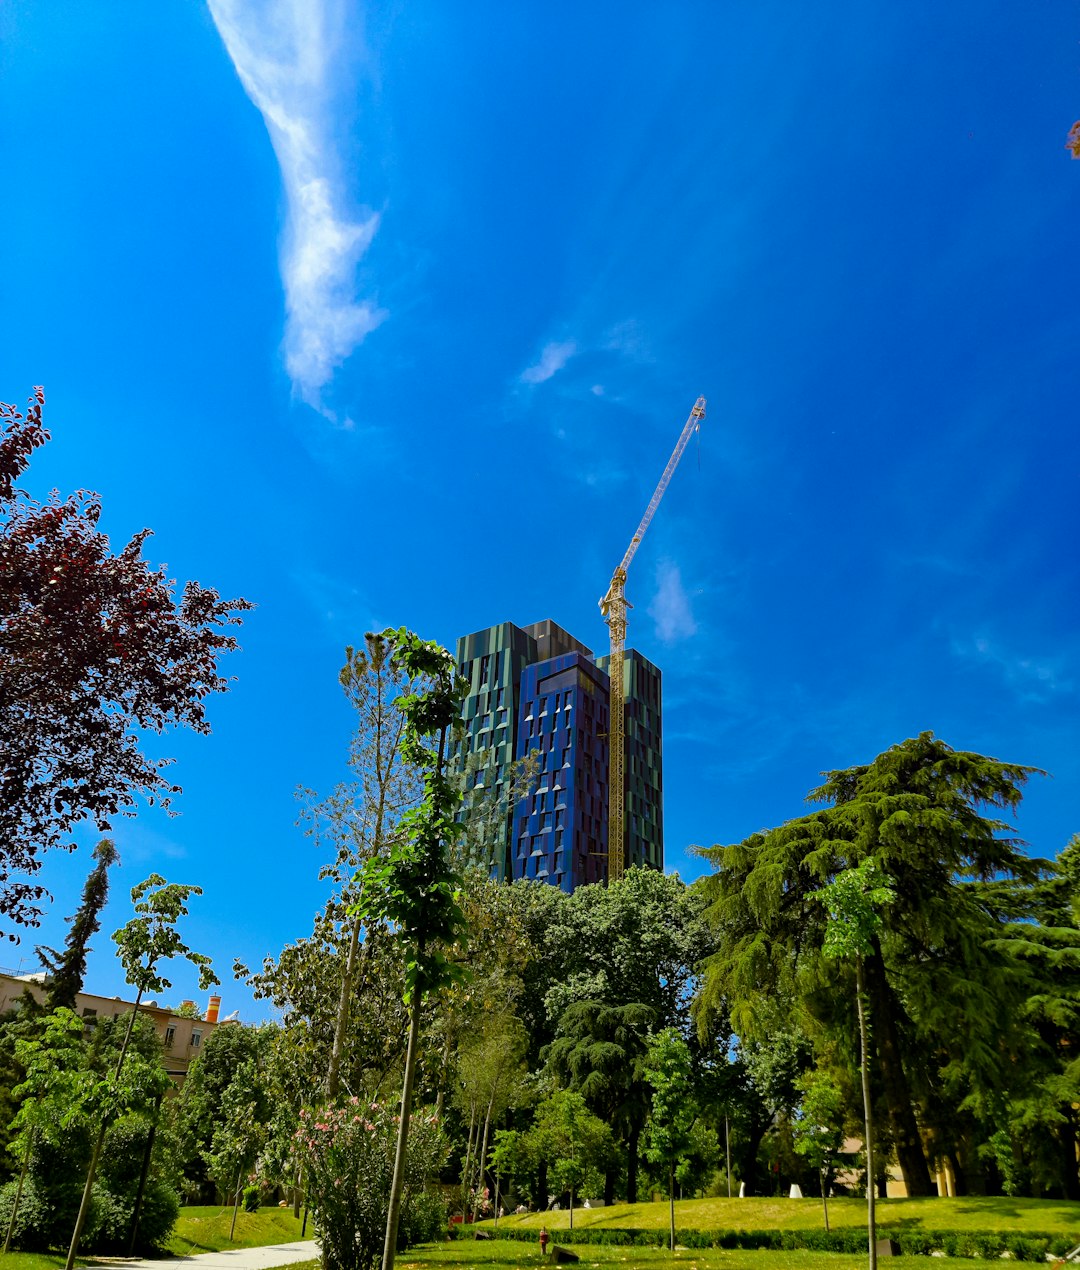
(613, 608)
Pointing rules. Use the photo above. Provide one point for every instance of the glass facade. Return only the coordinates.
(537, 690)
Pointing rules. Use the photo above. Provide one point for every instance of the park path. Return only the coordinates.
(230, 1259)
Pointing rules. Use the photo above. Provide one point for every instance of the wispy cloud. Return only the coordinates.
(670, 609)
(1033, 679)
(283, 51)
(553, 358)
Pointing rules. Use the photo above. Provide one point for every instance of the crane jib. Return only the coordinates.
(613, 607)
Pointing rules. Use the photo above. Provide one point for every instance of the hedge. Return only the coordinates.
(1031, 1246)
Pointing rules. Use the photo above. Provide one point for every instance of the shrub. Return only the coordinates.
(349, 1153)
(251, 1199)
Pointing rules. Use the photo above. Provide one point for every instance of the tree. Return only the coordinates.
(600, 1051)
(572, 1140)
(416, 889)
(95, 650)
(1072, 142)
(918, 810)
(224, 1054)
(668, 1070)
(149, 939)
(854, 900)
(68, 969)
(819, 1132)
(361, 816)
(239, 1133)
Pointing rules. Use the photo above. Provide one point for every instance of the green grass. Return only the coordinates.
(33, 1260)
(1045, 1216)
(207, 1230)
(465, 1253)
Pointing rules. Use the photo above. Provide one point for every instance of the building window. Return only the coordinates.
(170, 1036)
(196, 1040)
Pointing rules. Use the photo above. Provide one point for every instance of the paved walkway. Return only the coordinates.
(230, 1259)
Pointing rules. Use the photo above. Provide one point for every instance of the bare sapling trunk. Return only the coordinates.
(482, 1161)
(864, 1048)
(18, 1192)
(236, 1202)
(825, 1200)
(398, 1184)
(466, 1175)
(671, 1205)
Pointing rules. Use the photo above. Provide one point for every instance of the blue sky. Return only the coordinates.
(392, 313)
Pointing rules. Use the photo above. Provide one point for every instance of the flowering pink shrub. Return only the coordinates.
(349, 1154)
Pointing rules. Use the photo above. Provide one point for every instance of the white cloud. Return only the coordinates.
(282, 51)
(670, 609)
(553, 358)
(1032, 679)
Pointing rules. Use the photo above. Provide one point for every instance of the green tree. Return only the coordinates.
(819, 1128)
(572, 1140)
(854, 901)
(68, 969)
(240, 1132)
(224, 1053)
(360, 817)
(919, 812)
(668, 1069)
(146, 941)
(600, 1050)
(95, 653)
(416, 889)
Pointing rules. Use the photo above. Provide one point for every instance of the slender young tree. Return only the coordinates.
(854, 901)
(149, 939)
(668, 1071)
(360, 816)
(69, 967)
(415, 889)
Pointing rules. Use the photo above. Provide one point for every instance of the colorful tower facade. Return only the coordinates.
(536, 690)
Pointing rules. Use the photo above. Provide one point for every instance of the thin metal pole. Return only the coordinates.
(727, 1149)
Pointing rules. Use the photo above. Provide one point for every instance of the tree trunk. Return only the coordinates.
(333, 1075)
(898, 1101)
(541, 1186)
(398, 1184)
(631, 1163)
(482, 1162)
(19, 1190)
(466, 1175)
(824, 1198)
(1069, 1172)
(671, 1205)
(236, 1203)
(868, 1119)
(143, 1175)
(609, 1187)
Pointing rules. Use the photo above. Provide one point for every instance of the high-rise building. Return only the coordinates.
(537, 691)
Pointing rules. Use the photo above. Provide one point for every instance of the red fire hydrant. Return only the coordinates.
(543, 1240)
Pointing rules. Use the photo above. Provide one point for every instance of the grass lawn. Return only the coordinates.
(207, 1230)
(464, 1253)
(1045, 1216)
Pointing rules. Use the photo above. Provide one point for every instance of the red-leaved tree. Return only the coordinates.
(94, 647)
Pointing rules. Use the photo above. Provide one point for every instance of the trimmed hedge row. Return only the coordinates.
(1031, 1246)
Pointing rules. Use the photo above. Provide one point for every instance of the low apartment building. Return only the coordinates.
(182, 1038)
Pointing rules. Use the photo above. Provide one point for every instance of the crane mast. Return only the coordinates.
(613, 608)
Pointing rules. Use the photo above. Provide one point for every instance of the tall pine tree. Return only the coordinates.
(943, 992)
(69, 968)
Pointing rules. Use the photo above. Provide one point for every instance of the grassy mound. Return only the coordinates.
(973, 1215)
(207, 1229)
